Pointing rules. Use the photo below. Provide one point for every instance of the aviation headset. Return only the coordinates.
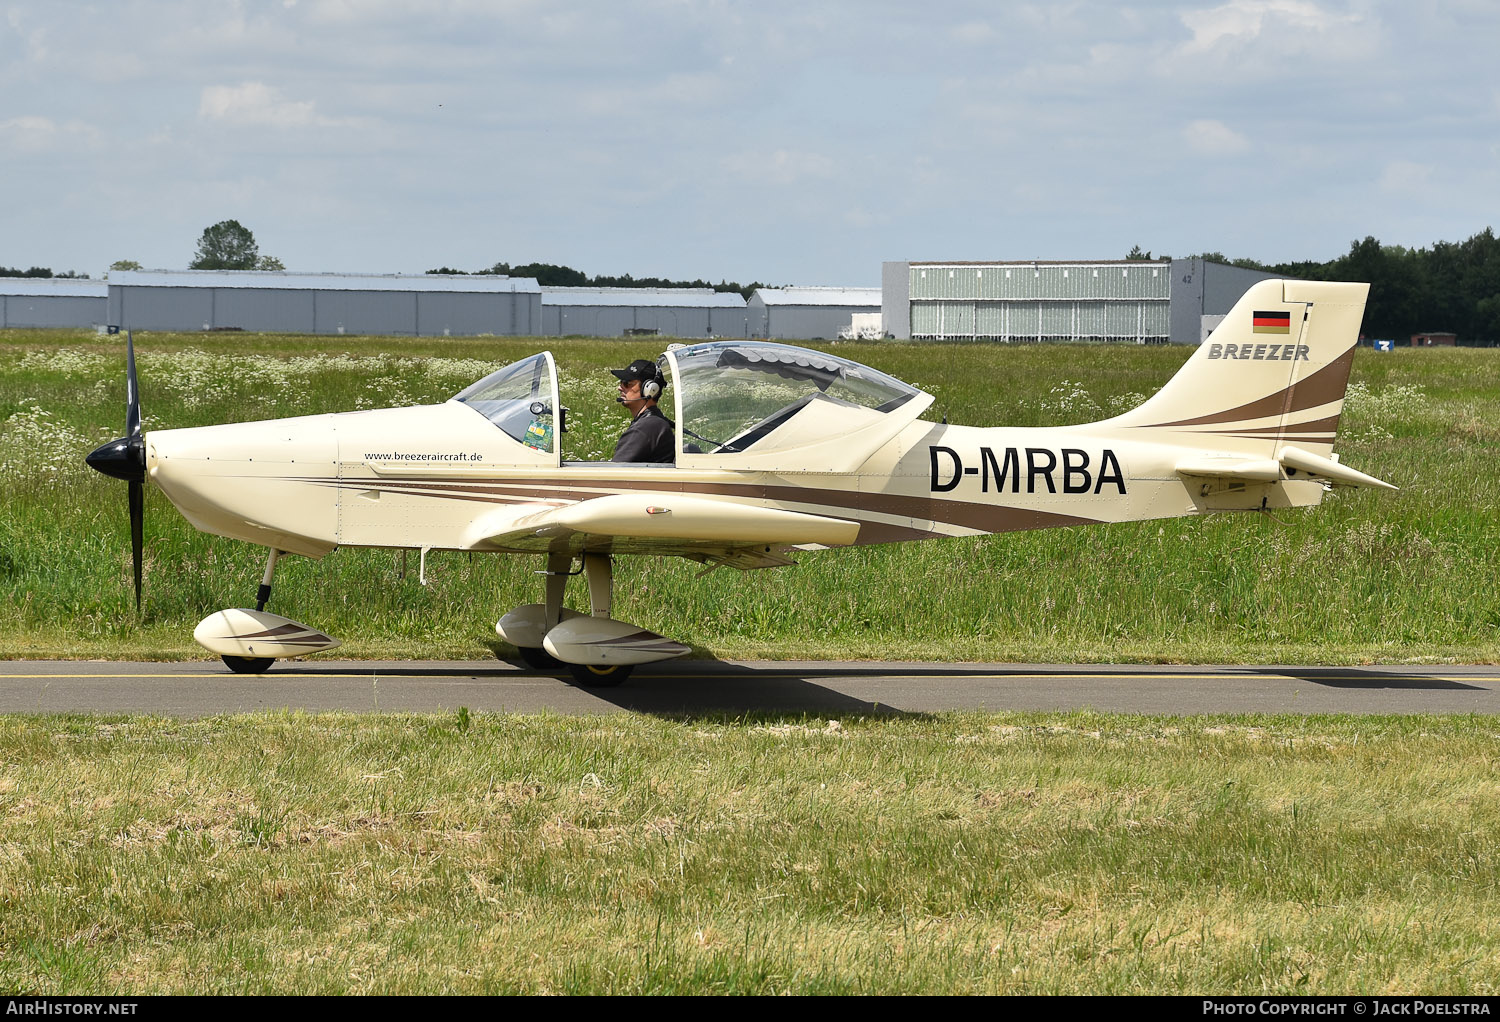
(651, 389)
(653, 381)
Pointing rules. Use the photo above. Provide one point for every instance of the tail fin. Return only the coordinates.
(1273, 373)
(1264, 393)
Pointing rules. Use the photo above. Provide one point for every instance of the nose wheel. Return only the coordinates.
(250, 641)
(248, 664)
(257, 664)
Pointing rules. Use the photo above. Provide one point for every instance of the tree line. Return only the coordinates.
(41, 271)
(1453, 286)
(551, 275)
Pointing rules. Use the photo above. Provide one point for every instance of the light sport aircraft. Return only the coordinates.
(780, 449)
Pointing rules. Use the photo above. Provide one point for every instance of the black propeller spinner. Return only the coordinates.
(125, 459)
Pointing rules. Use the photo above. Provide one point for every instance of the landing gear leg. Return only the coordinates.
(535, 657)
(257, 664)
(263, 594)
(599, 569)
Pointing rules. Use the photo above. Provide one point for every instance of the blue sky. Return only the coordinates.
(786, 142)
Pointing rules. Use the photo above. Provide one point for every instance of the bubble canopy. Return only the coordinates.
(738, 404)
(735, 397)
(520, 399)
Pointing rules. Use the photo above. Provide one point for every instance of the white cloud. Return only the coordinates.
(643, 134)
(44, 135)
(1403, 177)
(782, 167)
(1287, 26)
(974, 32)
(1214, 138)
(1244, 20)
(259, 104)
(633, 98)
(34, 40)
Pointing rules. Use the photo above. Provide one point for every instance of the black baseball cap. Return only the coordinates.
(640, 369)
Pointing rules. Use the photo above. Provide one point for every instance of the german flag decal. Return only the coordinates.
(1273, 323)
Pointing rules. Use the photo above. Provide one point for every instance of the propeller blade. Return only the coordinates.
(132, 390)
(125, 459)
(137, 529)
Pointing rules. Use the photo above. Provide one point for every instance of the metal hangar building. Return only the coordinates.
(52, 301)
(808, 313)
(618, 311)
(1168, 301)
(420, 305)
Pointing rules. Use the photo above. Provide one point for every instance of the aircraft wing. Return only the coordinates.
(712, 531)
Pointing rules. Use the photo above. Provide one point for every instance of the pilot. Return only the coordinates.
(650, 435)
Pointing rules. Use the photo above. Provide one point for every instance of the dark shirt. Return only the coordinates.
(649, 437)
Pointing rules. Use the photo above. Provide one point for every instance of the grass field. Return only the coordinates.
(1010, 853)
(957, 853)
(1366, 577)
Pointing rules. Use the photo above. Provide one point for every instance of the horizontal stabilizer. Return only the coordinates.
(1288, 462)
(1327, 468)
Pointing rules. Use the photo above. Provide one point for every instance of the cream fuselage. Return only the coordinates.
(443, 477)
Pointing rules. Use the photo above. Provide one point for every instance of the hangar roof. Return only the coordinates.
(655, 297)
(56, 287)
(275, 280)
(820, 296)
(1041, 262)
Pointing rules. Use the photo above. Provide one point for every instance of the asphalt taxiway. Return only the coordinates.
(197, 689)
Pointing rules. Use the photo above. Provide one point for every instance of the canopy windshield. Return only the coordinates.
(738, 396)
(519, 399)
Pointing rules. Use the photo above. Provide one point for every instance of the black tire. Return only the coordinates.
(538, 659)
(600, 675)
(248, 664)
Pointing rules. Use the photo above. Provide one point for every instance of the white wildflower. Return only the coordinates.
(1069, 398)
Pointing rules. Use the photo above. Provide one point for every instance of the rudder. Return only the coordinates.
(1272, 374)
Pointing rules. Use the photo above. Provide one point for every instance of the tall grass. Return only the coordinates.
(1015, 853)
(1365, 577)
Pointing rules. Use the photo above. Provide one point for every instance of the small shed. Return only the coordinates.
(1434, 339)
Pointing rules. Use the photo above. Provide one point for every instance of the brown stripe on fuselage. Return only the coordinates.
(873, 533)
(1327, 425)
(436, 489)
(1312, 438)
(1325, 385)
(965, 514)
